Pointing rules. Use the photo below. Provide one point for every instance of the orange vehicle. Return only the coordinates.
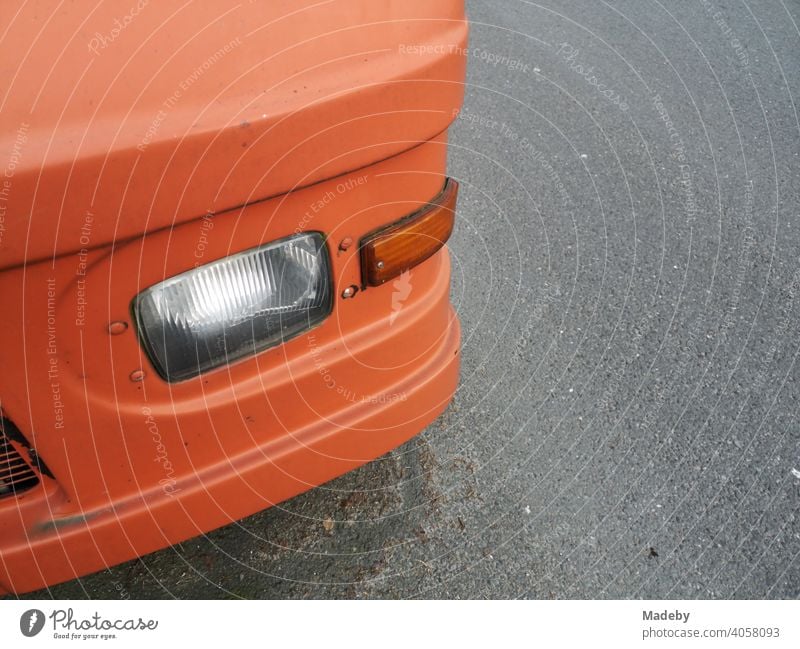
(222, 261)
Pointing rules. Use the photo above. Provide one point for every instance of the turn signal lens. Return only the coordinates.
(391, 250)
(235, 307)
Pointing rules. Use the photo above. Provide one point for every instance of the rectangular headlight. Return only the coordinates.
(235, 307)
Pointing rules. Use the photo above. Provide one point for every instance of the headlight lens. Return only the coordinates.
(235, 307)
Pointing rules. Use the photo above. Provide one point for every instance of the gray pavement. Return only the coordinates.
(627, 274)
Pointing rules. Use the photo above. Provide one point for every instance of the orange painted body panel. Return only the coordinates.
(203, 107)
(139, 463)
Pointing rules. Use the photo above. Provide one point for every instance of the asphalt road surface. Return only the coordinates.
(626, 270)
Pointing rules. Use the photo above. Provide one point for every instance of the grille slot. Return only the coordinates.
(16, 475)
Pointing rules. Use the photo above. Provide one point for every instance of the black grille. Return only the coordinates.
(16, 475)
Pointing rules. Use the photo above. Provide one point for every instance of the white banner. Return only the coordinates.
(321, 625)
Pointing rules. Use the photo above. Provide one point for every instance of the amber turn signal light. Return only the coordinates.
(393, 249)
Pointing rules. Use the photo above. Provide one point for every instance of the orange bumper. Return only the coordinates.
(138, 463)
